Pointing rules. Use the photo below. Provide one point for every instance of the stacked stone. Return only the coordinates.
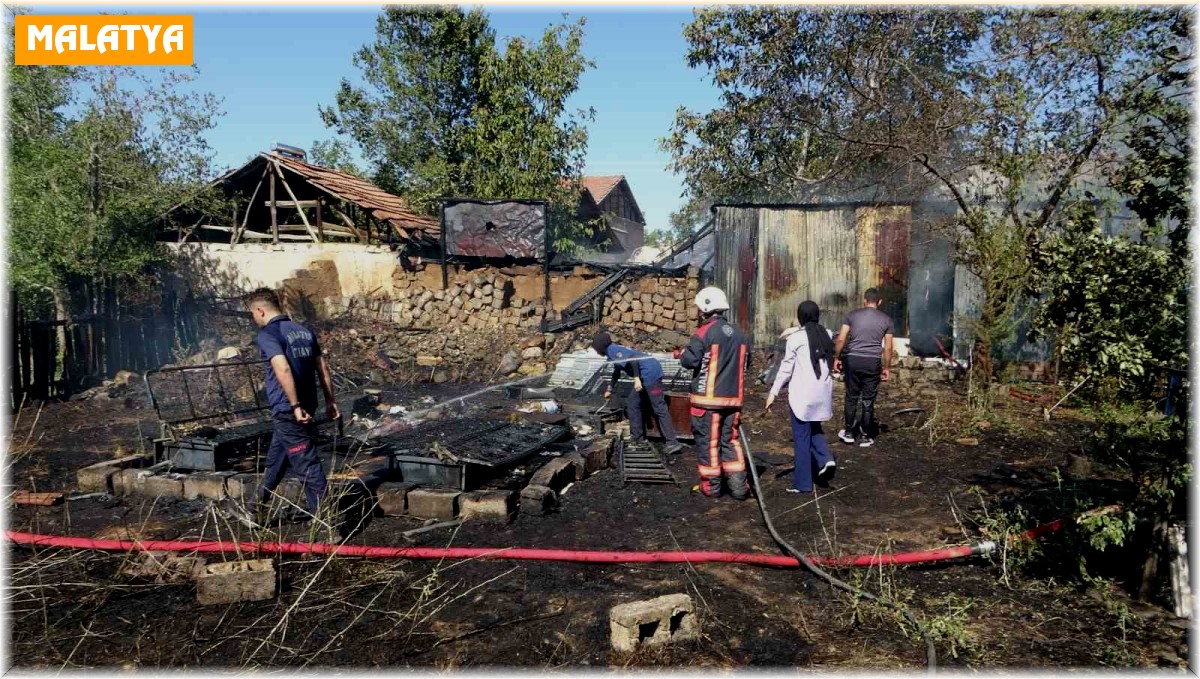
(473, 301)
(652, 304)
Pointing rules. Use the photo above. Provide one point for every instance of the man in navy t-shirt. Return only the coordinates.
(647, 374)
(294, 366)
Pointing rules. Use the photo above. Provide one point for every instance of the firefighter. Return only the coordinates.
(647, 374)
(717, 355)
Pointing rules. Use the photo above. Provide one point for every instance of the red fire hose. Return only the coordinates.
(517, 553)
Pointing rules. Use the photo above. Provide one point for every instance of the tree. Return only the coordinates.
(335, 153)
(1009, 113)
(96, 153)
(447, 112)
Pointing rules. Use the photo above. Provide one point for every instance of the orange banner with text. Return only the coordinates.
(103, 40)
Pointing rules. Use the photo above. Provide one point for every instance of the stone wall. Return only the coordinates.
(651, 303)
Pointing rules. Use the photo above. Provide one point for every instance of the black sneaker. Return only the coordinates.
(845, 437)
(827, 471)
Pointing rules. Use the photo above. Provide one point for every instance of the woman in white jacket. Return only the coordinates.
(806, 371)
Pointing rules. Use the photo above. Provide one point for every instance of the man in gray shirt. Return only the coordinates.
(867, 338)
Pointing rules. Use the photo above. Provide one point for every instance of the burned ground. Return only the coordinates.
(916, 489)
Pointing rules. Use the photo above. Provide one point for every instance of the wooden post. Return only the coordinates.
(320, 224)
(274, 221)
(237, 233)
(445, 255)
(296, 204)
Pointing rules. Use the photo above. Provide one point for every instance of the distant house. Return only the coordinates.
(624, 226)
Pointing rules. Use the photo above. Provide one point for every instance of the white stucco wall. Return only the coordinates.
(235, 269)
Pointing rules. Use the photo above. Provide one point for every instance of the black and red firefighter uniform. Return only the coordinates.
(717, 355)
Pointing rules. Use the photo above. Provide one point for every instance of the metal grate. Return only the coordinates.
(189, 394)
(506, 445)
(641, 463)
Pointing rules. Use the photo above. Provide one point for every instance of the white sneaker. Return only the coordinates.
(846, 438)
(866, 443)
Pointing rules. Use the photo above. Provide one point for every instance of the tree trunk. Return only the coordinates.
(62, 313)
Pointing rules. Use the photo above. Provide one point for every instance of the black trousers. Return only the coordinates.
(293, 451)
(653, 393)
(863, 374)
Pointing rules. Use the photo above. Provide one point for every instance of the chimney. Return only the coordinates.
(288, 151)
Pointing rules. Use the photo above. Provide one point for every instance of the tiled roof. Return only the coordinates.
(381, 204)
(600, 187)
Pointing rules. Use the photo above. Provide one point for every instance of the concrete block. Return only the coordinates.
(538, 500)
(555, 474)
(209, 485)
(577, 463)
(127, 481)
(433, 503)
(290, 492)
(596, 456)
(666, 619)
(487, 505)
(242, 487)
(391, 498)
(97, 478)
(161, 485)
(234, 581)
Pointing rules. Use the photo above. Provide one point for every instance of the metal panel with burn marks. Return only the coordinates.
(782, 275)
(495, 229)
(734, 264)
(832, 263)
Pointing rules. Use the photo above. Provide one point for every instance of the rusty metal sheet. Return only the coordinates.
(495, 228)
(832, 263)
(883, 240)
(735, 234)
(782, 281)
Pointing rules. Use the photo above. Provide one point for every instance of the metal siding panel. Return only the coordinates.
(930, 290)
(832, 267)
(781, 274)
(734, 263)
(892, 247)
(968, 293)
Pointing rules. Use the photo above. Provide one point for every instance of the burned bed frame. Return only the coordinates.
(215, 416)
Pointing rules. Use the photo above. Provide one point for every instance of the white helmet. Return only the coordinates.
(711, 299)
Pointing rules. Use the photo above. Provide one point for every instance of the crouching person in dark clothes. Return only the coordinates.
(294, 367)
(647, 376)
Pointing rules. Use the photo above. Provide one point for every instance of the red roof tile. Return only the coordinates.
(381, 204)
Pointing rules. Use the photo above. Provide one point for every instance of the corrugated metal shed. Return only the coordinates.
(768, 259)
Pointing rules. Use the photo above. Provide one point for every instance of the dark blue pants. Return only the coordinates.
(293, 451)
(652, 392)
(812, 452)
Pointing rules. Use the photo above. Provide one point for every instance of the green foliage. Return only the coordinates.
(1009, 113)
(334, 153)
(448, 112)
(95, 154)
(1117, 307)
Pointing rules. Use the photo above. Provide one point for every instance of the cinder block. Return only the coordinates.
(538, 500)
(234, 581)
(392, 498)
(577, 463)
(555, 474)
(654, 622)
(596, 456)
(210, 485)
(290, 492)
(242, 487)
(432, 503)
(97, 478)
(487, 505)
(161, 485)
(128, 481)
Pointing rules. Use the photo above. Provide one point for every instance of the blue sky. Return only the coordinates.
(274, 67)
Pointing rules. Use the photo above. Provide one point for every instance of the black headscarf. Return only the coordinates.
(820, 345)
